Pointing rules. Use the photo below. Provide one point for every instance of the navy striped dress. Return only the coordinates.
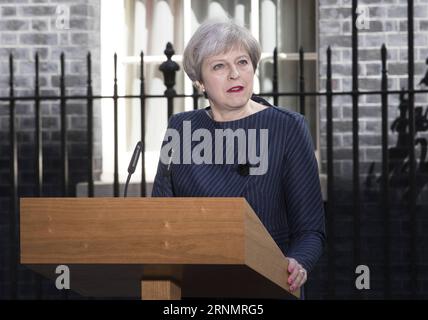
(287, 198)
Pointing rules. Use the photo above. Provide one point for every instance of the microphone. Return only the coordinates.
(133, 164)
(244, 169)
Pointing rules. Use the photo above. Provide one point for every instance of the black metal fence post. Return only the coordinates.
(143, 126)
(355, 141)
(64, 144)
(13, 199)
(330, 182)
(38, 156)
(412, 170)
(195, 96)
(385, 173)
(169, 68)
(301, 82)
(116, 142)
(275, 76)
(38, 138)
(90, 128)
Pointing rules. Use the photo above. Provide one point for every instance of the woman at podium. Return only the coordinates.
(242, 146)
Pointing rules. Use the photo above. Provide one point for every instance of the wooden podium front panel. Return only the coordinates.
(118, 230)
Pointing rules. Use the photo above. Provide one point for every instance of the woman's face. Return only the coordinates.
(228, 79)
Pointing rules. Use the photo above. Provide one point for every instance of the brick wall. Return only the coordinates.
(27, 27)
(387, 24)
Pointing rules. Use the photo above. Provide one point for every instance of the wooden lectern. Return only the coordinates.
(154, 248)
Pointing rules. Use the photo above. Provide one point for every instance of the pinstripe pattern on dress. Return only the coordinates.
(287, 198)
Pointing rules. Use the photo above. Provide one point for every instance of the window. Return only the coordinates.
(129, 26)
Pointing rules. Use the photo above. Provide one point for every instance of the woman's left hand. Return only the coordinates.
(298, 274)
